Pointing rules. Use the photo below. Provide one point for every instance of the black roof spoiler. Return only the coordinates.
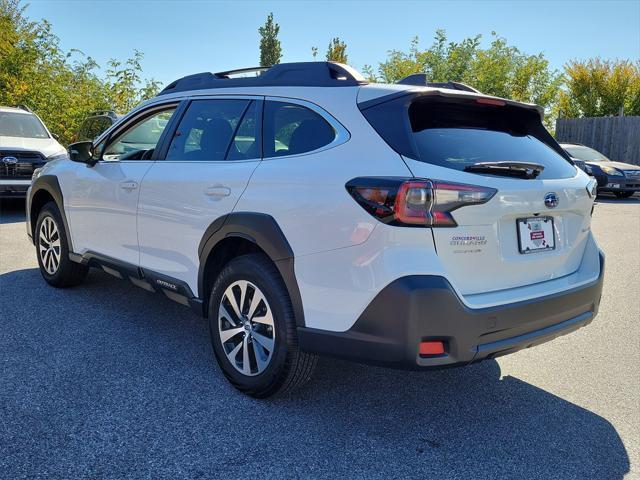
(421, 80)
(298, 74)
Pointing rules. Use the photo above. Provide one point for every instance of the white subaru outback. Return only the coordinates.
(304, 212)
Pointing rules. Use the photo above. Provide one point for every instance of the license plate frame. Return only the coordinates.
(535, 234)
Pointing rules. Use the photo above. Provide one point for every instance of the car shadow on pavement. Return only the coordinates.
(11, 210)
(613, 199)
(108, 381)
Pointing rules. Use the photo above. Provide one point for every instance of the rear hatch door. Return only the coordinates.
(535, 228)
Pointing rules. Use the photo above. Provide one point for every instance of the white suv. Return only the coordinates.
(305, 212)
(25, 145)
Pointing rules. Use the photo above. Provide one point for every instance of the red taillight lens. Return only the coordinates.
(412, 202)
(415, 202)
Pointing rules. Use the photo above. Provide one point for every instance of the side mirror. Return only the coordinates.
(81, 152)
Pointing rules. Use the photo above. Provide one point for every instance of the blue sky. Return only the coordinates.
(184, 37)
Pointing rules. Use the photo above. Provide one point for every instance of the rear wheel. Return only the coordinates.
(624, 194)
(253, 329)
(52, 250)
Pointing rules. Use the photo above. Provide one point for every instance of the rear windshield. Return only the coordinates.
(21, 125)
(586, 154)
(456, 134)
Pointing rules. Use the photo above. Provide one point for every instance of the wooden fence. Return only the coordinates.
(617, 137)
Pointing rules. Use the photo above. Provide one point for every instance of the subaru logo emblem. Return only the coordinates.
(551, 200)
(10, 160)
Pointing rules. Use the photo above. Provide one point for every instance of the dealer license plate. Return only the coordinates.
(535, 234)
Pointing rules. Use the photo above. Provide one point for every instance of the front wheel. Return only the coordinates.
(52, 250)
(253, 329)
(624, 194)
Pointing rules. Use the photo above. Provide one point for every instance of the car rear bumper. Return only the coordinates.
(10, 188)
(422, 307)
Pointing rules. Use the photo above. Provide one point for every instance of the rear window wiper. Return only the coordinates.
(507, 169)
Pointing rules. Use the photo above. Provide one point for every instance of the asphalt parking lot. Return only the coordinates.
(109, 381)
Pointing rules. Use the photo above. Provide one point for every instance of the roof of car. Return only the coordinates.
(15, 110)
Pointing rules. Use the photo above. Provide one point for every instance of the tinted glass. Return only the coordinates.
(93, 127)
(98, 126)
(138, 142)
(291, 129)
(207, 128)
(246, 141)
(586, 154)
(21, 125)
(457, 135)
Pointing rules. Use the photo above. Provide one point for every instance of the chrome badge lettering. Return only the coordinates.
(468, 240)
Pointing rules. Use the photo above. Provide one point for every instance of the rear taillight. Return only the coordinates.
(415, 202)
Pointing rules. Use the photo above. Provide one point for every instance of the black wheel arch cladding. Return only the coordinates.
(50, 185)
(262, 230)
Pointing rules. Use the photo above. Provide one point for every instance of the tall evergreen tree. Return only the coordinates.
(270, 49)
(337, 51)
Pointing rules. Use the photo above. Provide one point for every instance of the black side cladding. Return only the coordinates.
(50, 185)
(263, 231)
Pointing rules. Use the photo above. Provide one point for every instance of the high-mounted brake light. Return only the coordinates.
(416, 202)
(491, 101)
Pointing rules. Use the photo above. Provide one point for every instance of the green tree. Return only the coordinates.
(337, 51)
(61, 87)
(270, 49)
(499, 69)
(597, 87)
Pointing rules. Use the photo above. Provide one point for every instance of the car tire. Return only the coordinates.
(257, 350)
(52, 250)
(624, 194)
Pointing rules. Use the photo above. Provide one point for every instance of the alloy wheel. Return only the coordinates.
(49, 245)
(246, 328)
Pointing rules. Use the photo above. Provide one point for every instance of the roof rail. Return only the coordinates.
(420, 79)
(24, 107)
(297, 74)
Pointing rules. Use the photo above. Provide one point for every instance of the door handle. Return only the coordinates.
(129, 185)
(218, 191)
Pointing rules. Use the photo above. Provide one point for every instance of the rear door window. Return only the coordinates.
(214, 130)
(291, 129)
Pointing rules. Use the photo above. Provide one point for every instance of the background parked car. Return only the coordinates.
(25, 144)
(621, 179)
(95, 124)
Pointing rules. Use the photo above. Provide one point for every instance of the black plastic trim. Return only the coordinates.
(50, 184)
(164, 143)
(158, 282)
(416, 308)
(300, 74)
(263, 231)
